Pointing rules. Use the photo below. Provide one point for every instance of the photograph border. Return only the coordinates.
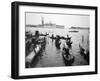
(15, 39)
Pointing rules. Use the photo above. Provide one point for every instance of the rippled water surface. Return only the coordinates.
(52, 57)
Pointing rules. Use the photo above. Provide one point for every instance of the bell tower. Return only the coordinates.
(42, 21)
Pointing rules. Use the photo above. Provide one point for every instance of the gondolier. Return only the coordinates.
(68, 40)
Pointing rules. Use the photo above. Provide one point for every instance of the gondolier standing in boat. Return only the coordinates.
(68, 41)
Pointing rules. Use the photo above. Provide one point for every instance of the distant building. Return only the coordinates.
(46, 25)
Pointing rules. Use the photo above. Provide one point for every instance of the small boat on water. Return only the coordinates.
(53, 37)
(82, 50)
(69, 44)
(68, 57)
(74, 31)
(57, 45)
(57, 42)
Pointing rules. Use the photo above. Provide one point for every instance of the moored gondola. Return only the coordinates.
(68, 57)
(69, 44)
(84, 53)
(57, 42)
(34, 48)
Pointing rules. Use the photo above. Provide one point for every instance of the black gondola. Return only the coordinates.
(57, 45)
(85, 55)
(68, 57)
(57, 42)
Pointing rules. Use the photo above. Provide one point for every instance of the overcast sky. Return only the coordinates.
(67, 20)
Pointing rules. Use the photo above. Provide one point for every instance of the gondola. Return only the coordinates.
(69, 43)
(57, 42)
(57, 45)
(82, 50)
(68, 58)
(32, 55)
(53, 38)
(74, 31)
(84, 54)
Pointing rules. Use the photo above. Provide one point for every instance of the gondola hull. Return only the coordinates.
(68, 60)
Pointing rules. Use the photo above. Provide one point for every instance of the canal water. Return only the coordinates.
(52, 57)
